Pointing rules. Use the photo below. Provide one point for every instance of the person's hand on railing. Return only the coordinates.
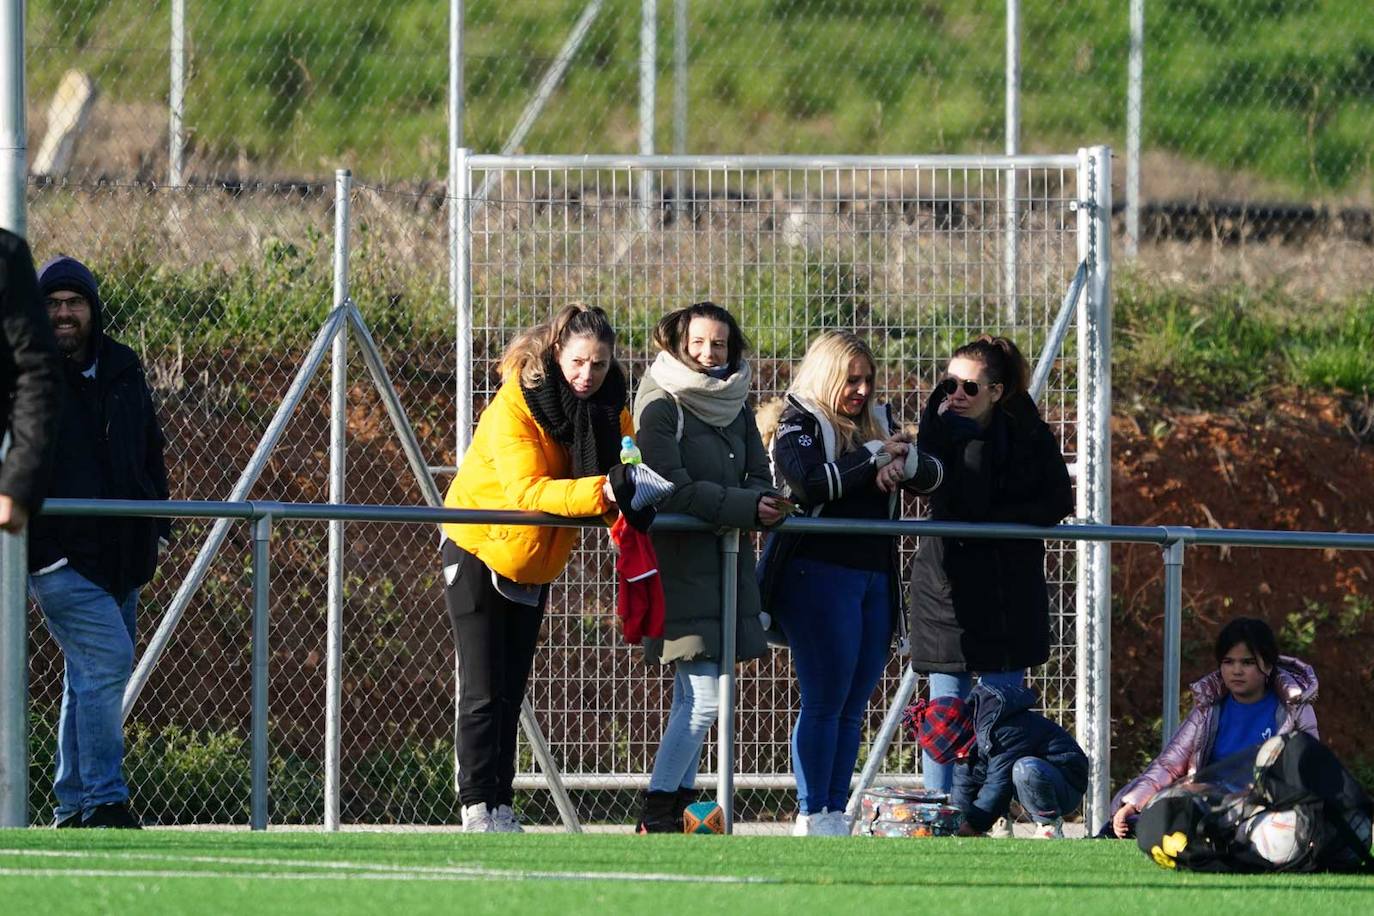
(771, 510)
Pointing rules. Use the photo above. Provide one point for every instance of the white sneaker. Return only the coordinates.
(1001, 829)
(477, 819)
(503, 820)
(1054, 830)
(802, 825)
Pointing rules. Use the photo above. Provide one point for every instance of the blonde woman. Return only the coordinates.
(545, 443)
(837, 597)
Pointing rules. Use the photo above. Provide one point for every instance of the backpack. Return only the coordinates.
(1288, 805)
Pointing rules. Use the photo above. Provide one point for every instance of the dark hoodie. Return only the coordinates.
(109, 446)
(1006, 731)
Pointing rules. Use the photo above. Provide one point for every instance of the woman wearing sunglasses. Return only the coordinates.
(980, 607)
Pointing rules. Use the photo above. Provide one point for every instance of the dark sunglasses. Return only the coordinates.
(951, 384)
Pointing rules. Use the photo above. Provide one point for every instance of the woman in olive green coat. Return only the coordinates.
(697, 431)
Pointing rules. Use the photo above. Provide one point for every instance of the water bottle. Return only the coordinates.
(629, 452)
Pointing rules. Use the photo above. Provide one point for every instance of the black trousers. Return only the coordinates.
(495, 640)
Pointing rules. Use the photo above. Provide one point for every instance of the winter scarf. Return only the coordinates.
(716, 402)
(590, 428)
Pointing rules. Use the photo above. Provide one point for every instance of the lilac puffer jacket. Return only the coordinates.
(1191, 748)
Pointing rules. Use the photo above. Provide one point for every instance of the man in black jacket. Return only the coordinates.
(86, 572)
(30, 390)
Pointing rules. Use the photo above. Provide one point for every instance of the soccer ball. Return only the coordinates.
(703, 817)
(1274, 835)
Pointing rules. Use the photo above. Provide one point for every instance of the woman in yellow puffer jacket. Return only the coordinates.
(543, 444)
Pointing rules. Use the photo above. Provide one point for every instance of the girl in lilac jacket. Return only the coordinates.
(1254, 694)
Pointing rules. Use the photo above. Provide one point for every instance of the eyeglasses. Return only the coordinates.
(951, 384)
(71, 302)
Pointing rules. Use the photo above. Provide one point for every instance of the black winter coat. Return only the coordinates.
(109, 447)
(980, 604)
(30, 377)
(1008, 730)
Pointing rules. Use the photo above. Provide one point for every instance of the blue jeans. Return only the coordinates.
(696, 700)
(939, 777)
(838, 623)
(1042, 790)
(96, 635)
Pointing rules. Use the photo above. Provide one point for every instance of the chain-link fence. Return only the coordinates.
(910, 257)
(1241, 100)
(222, 291)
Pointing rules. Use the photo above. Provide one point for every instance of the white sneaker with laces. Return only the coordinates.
(504, 821)
(802, 825)
(1054, 830)
(1001, 829)
(477, 819)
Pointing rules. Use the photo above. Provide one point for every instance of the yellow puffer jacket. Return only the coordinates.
(514, 464)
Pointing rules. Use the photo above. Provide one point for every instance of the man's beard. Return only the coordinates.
(72, 344)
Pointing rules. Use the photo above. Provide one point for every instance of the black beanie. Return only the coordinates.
(69, 274)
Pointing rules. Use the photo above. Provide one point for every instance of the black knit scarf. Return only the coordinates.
(589, 428)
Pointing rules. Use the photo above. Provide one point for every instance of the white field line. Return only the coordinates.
(326, 870)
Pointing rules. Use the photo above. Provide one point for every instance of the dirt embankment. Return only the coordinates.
(1296, 467)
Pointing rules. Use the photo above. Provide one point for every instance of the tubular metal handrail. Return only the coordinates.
(1174, 541)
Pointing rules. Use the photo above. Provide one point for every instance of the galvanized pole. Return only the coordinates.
(1173, 629)
(456, 99)
(157, 644)
(338, 448)
(679, 96)
(460, 284)
(1135, 84)
(1009, 263)
(648, 71)
(1094, 478)
(176, 104)
(14, 604)
(680, 77)
(729, 593)
(262, 548)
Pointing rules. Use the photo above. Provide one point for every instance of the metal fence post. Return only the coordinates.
(648, 72)
(14, 606)
(460, 288)
(729, 613)
(680, 77)
(1135, 79)
(176, 101)
(1173, 629)
(14, 681)
(1013, 114)
(262, 550)
(1094, 480)
(456, 100)
(338, 450)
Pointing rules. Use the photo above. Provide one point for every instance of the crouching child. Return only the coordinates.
(1001, 746)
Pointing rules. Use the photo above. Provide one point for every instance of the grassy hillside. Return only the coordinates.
(1280, 88)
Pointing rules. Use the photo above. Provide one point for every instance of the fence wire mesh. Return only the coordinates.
(910, 258)
(222, 291)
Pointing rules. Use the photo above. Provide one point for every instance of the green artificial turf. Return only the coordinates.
(203, 871)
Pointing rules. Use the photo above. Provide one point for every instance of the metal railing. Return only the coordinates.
(263, 515)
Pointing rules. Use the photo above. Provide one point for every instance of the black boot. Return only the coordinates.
(116, 815)
(658, 814)
(683, 798)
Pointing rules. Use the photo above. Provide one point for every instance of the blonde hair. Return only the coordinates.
(530, 350)
(821, 378)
